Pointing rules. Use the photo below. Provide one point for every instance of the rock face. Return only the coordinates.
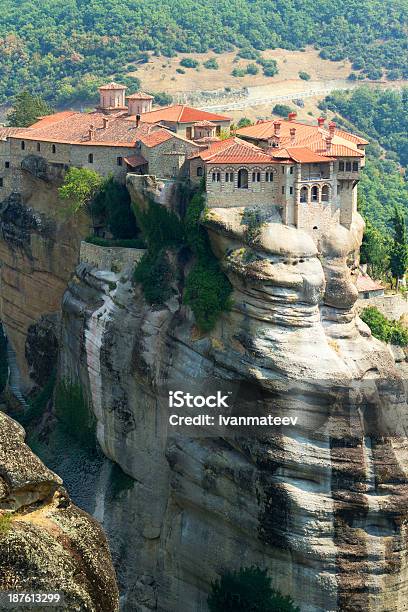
(322, 504)
(46, 543)
(39, 249)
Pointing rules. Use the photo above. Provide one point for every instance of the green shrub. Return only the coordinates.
(211, 64)
(282, 110)
(252, 69)
(384, 329)
(131, 243)
(73, 410)
(5, 523)
(247, 590)
(207, 289)
(155, 275)
(112, 202)
(248, 53)
(162, 98)
(79, 188)
(270, 67)
(180, 71)
(244, 122)
(160, 227)
(189, 62)
(305, 76)
(207, 292)
(238, 72)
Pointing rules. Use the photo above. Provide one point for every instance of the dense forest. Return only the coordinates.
(381, 116)
(64, 48)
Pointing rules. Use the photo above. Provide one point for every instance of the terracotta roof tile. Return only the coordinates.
(74, 129)
(366, 283)
(301, 155)
(49, 119)
(180, 113)
(135, 161)
(310, 136)
(205, 123)
(156, 138)
(139, 95)
(112, 85)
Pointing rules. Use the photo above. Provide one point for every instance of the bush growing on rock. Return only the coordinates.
(384, 329)
(248, 590)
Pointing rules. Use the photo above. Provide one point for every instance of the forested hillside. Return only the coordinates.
(61, 48)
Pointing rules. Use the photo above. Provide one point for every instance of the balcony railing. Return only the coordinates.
(314, 176)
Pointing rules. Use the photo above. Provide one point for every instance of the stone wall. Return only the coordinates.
(167, 159)
(109, 258)
(393, 306)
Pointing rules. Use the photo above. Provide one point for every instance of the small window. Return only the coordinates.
(338, 189)
(348, 166)
(355, 166)
(256, 177)
(291, 190)
(229, 177)
(283, 169)
(199, 171)
(119, 161)
(22, 145)
(341, 166)
(90, 158)
(1, 182)
(283, 191)
(216, 177)
(315, 193)
(54, 149)
(291, 169)
(7, 164)
(269, 177)
(38, 146)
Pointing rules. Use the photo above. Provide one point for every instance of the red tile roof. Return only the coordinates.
(306, 135)
(180, 113)
(301, 155)
(49, 119)
(205, 123)
(112, 86)
(139, 95)
(156, 138)
(73, 128)
(366, 283)
(135, 161)
(233, 151)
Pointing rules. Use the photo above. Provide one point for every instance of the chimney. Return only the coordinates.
(332, 127)
(328, 144)
(320, 122)
(137, 120)
(292, 135)
(105, 122)
(276, 128)
(292, 116)
(91, 132)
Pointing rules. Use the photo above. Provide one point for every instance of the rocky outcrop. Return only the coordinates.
(47, 544)
(321, 504)
(39, 249)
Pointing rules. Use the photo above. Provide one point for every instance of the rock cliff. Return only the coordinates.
(323, 504)
(39, 249)
(47, 544)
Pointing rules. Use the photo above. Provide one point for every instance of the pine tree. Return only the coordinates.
(399, 250)
(27, 109)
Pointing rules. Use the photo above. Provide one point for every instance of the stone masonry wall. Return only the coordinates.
(109, 258)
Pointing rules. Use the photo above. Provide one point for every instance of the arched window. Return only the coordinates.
(315, 193)
(242, 178)
(216, 177)
(256, 177)
(54, 149)
(90, 158)
(200, 171)
(325, 193)
(229, 177)
(303, 194)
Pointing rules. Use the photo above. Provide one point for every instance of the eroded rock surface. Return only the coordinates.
(323, 505)
(47, 544)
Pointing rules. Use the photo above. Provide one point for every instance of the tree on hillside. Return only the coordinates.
(399, 250)
(27, 109)
(375, 251)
